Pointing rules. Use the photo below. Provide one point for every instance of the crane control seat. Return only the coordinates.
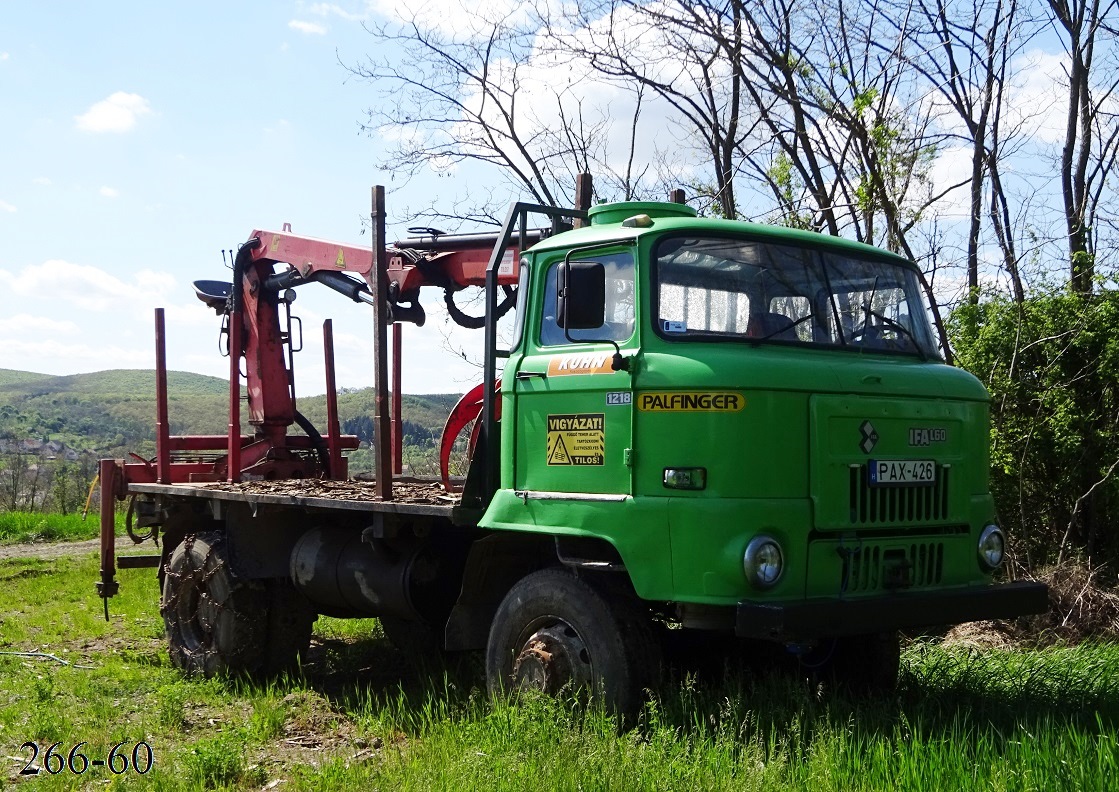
(213, 293)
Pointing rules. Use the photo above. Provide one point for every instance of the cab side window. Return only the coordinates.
(620, 310)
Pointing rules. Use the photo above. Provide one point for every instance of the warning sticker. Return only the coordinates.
(576, 439)
(691, 402)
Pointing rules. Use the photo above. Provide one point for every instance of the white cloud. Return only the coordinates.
(159, 282)
(24, 323)
(331, 9)
(1038, 95)
(310, 28)
(3, 56)
(453, 16)
(109, 192)
(68, 355)
(6, 207)
(191, 314)
(448, 16)
(80, 318)
(118, 113)
(89, 288)
(952, 166)
(545, 79)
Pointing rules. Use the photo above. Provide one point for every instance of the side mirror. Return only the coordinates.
(581, 295)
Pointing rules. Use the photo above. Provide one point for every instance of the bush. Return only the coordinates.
(1051, 365)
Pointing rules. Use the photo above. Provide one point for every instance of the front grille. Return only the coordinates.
(873, 567)
(870, 505)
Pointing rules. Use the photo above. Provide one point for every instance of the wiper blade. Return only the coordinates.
(779, 330)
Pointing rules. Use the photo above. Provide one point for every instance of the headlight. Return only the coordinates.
(763, 562)
(992, 547)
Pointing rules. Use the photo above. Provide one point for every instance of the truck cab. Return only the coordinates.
(755, 423)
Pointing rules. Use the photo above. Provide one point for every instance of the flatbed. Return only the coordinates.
(410, 496)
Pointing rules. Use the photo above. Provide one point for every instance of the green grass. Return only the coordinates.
(40, 527)
(361, 715)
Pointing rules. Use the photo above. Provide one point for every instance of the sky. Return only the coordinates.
(141, 139)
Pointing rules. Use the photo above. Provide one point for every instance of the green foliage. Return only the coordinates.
(1052, 367)
(112, 412)
(864, 100)
(107, 413)
(789, 187)
(217, 761)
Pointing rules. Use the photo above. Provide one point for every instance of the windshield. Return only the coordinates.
(765, 292)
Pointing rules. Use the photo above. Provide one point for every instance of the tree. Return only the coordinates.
(689, 55)
(65, 487)
(963, 49)
(795, 93)
(478, 95)
(1088, 29)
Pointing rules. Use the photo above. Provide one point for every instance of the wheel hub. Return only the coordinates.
(551, 659)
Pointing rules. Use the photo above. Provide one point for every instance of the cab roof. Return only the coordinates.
(622, 222)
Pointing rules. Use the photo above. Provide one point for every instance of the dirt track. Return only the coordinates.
(48, 550)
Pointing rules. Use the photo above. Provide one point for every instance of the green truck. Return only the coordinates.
(698, 425)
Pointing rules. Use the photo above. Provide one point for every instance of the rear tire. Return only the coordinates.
(216, 623)
(556, 633)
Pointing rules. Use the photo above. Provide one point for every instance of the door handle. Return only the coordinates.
(523, 375)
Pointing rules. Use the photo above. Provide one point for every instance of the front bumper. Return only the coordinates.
(818, 618)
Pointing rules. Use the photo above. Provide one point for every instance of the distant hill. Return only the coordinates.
(109, 413)
(116, 381)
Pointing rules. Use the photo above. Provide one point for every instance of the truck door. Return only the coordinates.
(574, 412)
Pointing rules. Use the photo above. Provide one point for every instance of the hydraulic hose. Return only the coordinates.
(478, 322)
(240, 261)
(317, 441)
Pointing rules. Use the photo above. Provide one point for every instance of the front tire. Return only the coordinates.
(556, 633)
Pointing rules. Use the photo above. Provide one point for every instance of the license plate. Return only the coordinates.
(885, 472)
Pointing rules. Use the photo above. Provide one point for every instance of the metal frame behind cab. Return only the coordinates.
(517, 216)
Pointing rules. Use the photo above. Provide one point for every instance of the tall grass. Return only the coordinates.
(361, 715)
(18, 526)
(961, 720)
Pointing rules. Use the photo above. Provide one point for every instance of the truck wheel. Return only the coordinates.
(555, 632)
(290, 619)
(215, 622)
(864, 664)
